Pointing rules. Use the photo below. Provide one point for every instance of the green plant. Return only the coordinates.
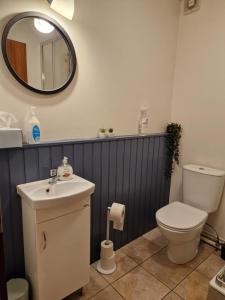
(102, 130)
(173, 131)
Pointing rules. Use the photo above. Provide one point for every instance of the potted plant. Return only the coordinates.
(102, 133)
(110, 132)
(173, 131)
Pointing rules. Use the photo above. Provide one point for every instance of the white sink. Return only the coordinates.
(40, 194)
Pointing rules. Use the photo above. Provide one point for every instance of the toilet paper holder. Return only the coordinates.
(107, 264)
(118, 226)
(107, 241)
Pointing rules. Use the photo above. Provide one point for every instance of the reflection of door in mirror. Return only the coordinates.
(55, 63)
(17, 55)
(25, 34)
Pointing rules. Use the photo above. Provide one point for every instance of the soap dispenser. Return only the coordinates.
(65, 171)
(32, 131)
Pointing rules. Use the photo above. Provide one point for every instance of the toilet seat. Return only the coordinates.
(180, 217)
(177, 229)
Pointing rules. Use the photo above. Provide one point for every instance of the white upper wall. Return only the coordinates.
(199, 93)
(126, 54)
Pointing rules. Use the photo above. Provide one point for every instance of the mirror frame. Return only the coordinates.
(64, 35)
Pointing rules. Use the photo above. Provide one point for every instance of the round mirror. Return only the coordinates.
(39, 53)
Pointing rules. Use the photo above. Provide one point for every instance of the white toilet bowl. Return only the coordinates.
(182, 225)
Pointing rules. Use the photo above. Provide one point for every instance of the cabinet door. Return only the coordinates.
(63, 254)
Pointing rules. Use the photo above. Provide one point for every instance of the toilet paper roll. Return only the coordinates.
(117, 215)
(106, 250)
(108, 263)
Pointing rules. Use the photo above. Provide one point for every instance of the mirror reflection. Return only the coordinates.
(38, 54)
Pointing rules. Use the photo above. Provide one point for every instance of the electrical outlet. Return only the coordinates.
(191, 6)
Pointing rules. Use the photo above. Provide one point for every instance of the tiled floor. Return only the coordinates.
(145, 273)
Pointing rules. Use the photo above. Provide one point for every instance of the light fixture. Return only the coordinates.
(63, 7)
(43, 26)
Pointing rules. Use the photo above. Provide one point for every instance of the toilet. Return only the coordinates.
(182, 222)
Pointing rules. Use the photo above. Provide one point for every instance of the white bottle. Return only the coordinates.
(32, 128)
(143, 125)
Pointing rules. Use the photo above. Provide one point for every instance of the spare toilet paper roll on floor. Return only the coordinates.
(106, 250)
(117, 215)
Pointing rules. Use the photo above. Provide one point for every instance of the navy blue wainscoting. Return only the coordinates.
(127, 170)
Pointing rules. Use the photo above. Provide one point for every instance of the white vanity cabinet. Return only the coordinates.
(57, 247)
(57, 251)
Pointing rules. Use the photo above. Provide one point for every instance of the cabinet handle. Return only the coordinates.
(86, 205)
(44, 240)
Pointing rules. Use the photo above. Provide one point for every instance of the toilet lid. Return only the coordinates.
(180, 216)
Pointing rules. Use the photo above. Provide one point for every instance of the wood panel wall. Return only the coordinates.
(127, 170)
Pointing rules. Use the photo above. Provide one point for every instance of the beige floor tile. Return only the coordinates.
(164, 270)
(204, 252)
(140, 249)
(139, 284)
(75, 296)
(213, 294)
(123, 265)
(156, 237)
(217, 253)
(211, 266)
(194, 287)
(107, 294)
(172, 296)
(96, 284)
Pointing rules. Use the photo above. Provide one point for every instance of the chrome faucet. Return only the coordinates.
(53, 176)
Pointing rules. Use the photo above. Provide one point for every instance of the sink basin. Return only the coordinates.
(41, 194)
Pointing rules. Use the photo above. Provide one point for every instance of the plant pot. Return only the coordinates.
(101, 135)
(111, 134)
